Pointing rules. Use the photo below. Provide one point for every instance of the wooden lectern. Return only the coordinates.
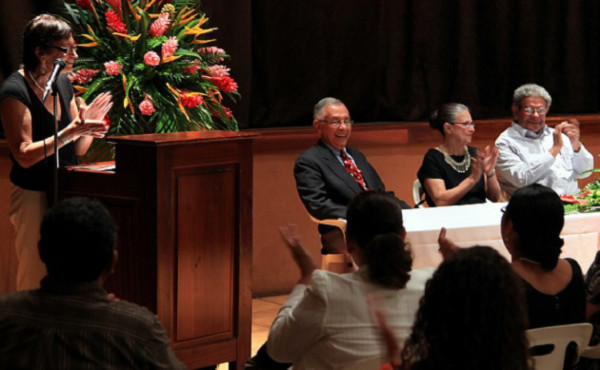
(183, 205)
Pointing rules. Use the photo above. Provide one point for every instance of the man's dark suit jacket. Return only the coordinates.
(324, 185)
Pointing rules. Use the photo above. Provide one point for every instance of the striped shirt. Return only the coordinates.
(66, 325)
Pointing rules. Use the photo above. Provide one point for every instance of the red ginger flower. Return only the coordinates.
(191, 100)
(160, 26)
(214, 51)
(224, 83)
(218, 71)
(227, 112)
(194, 67)
(151, 59)
(116, 5)
(170, 47)
(83, 76)
(113, 68)
(146, 107)
(113, 22)
(85, 4)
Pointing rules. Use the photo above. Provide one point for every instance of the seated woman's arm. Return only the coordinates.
(436, 188)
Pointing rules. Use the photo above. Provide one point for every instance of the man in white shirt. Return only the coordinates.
(531, 152)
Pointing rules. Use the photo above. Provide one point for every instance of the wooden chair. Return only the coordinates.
(557, 338)
(334, 262)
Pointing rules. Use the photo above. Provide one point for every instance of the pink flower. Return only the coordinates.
(170, 47)
(83, 76)
(113, 22)
(191, 100)
(160, 26)
(213, 51)
(218, 71)
(151, 59)
(146, 107)
(113, 68)
(116, 5)
(225, 83)
(193, 68)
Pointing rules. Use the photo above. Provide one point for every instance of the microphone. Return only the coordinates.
(59, 64)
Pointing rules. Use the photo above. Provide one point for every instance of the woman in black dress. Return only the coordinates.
(531, 226)
(29, 125)
(455, 173)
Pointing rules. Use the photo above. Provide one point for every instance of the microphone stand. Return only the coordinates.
(54, 93)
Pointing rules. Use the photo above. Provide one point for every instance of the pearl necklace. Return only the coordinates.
(35, 83)
(460, 167)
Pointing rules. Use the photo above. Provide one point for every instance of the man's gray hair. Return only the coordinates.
(528, 90)
(318, 110)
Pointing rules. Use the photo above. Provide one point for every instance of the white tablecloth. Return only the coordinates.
(479, 224)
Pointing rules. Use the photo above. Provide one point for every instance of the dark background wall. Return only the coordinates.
(389, 60)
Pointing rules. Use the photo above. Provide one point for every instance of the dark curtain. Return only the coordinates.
(391, 60)
(395, 60)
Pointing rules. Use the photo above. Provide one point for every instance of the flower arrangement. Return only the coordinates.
(152, 55)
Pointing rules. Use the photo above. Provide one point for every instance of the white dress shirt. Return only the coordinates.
(328, 325)
(525, 159)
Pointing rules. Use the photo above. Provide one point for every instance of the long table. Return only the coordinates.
(479, 224)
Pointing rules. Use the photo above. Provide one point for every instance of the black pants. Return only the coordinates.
(263, 361)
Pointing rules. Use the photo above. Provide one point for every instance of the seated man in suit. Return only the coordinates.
(329, 174)
(70, 322)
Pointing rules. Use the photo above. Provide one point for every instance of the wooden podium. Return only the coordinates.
(183, 205)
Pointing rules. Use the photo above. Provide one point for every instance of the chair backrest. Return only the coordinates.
(418, 193)
(337, 222)
(373, 363)
(339, 263)
(558, 338)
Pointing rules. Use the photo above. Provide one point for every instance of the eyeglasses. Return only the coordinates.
(71, 50)
(465, 124)
(336, 124)
(531, 110)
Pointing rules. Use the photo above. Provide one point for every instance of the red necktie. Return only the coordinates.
(353, 170)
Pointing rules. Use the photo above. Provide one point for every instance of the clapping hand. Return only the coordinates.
(558, 141)
(571, 129)
(490, 159)
(304, 261)
(447, 246)
(91, 117)
(477, 166)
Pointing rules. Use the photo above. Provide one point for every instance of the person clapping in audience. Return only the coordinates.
(531, 227)
(326, 322)
(471, 317)
(455, 173)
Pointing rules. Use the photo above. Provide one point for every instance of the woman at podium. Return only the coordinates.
(28, 119)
